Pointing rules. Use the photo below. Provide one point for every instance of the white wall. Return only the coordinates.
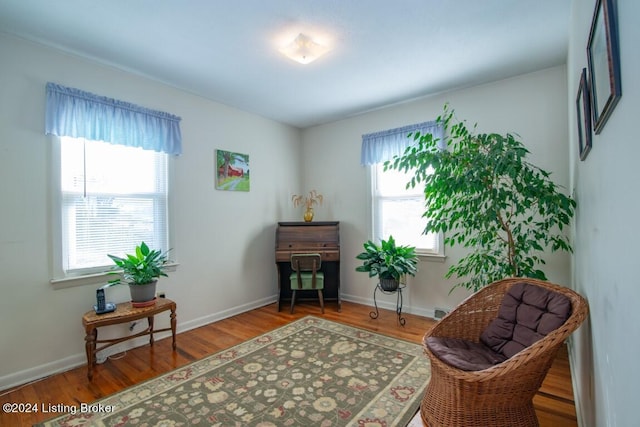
(532, 105)
(223, 240)
(607, 234)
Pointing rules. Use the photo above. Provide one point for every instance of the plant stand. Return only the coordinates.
(398, 292)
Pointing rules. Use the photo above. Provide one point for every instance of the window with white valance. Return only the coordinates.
(110, 177)
(397, 210)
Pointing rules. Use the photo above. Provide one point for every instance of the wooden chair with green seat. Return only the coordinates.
(305, 275)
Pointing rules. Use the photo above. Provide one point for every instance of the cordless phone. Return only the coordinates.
(101, 302)
(103, 307)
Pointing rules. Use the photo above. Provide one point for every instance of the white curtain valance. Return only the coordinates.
(78, 114)
(381, 146)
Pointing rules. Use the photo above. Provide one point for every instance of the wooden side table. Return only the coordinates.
(124, 313)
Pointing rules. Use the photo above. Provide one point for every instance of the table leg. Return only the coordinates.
(338, 288)
(90, 348)
(150, 321)
(173, 326)
(279, 286)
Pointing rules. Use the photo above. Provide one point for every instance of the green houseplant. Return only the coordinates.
(389, 261)
(484, 194)
(140, 271)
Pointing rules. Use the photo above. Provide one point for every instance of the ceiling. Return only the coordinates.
(382, 51)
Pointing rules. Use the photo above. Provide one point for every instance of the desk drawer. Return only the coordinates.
(327, 255)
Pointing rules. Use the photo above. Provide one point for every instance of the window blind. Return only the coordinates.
(112, 198)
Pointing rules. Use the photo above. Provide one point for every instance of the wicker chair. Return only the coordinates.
(501, 395)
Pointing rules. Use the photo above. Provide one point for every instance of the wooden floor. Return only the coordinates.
(554, 403)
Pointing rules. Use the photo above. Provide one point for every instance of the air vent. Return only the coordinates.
(440, 313)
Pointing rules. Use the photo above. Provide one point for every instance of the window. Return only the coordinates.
(112, 197)
(110, 178)
(397, 211)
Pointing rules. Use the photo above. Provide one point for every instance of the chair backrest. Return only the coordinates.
(528, 313)
(306, 262)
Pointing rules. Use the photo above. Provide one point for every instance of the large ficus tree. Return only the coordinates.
(483, 194)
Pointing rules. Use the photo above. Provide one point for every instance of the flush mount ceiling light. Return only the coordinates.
(304, 50)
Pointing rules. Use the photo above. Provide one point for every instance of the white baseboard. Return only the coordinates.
(577, 395)
(210, 318)
(42, 371)
(387, 305)
(79, 359)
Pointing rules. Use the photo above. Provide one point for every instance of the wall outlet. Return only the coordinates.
(105, 354)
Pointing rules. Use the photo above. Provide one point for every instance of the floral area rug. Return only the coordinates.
(311, 372)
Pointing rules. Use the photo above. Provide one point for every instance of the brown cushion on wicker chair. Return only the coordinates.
(463, 354)
(502, 395)
(527, 314)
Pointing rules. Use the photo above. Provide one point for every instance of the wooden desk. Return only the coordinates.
(124, 313)
(321, 237)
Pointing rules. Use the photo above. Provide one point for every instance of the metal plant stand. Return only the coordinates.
(398, 292)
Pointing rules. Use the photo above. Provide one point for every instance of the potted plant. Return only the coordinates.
(141, 272)
(485, 195)
(389, 261)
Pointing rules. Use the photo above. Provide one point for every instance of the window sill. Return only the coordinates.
(92, 279)
(432, 257)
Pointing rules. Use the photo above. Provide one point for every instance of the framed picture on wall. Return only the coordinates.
(604, 63)
(232, 171)
(583, 115)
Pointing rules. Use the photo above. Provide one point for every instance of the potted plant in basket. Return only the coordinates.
(388, 261)
(141, 272)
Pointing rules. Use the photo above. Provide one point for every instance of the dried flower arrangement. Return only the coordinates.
(314, 198)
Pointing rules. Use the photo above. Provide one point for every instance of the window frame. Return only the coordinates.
(89, 275)
(437, 253)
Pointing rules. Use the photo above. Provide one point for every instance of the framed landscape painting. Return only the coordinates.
(232, 171)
